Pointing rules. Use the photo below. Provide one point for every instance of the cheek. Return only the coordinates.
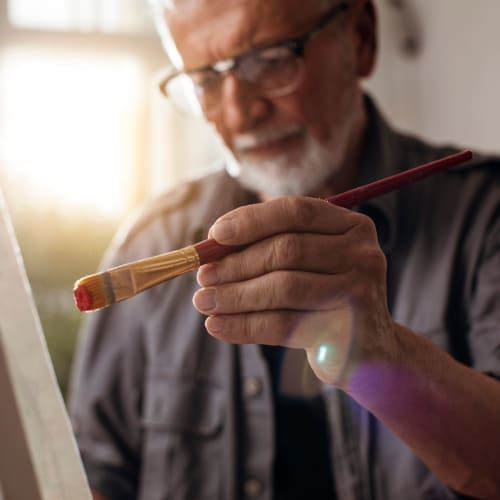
(329, 95)
(315, 109)
(221, 130)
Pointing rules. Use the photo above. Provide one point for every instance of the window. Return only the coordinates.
(75, 87)
(108, 16)
(75, 79)
(70, 128)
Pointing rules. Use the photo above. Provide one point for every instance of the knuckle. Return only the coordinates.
(373, 259)
(289, 249)
(287, 328)
(379, 264)
(368, 281)
(250, 220)
(371, 230)
(242, 267)
(288, 290)
(271, 327)
(234, 297)
(366, 227)
(300, 210)
(248, 328)
(246, 220)
(253, 327)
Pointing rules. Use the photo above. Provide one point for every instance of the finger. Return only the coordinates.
(294, 290)
(317, 253)
(251, 223)
(287, 328)
(356, 249)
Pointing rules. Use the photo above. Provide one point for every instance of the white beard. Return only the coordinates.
(285, 175)
(298, 173)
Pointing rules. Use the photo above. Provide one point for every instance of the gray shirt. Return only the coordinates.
(162, 410)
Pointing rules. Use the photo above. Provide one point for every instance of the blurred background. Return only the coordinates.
(85, 139)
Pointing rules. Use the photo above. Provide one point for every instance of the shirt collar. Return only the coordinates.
(380, 158)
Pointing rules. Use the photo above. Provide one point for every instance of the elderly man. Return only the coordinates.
(396, 304)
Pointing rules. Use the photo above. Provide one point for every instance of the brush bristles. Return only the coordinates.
(93, 292)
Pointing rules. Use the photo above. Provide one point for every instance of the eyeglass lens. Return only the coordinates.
(272, 70)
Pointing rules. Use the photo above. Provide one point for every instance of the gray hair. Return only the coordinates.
(158, 8)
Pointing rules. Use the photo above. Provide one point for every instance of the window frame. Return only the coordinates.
(145, 47)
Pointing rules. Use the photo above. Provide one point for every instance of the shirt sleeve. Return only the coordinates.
(485, 298)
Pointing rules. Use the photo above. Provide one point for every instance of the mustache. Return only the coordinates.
(256, 138)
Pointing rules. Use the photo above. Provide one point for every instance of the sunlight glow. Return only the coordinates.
(110, 16)
(70, 127)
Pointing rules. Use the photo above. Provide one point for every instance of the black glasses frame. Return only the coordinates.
(297, 45)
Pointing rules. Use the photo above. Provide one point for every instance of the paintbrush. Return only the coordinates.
(119, 283)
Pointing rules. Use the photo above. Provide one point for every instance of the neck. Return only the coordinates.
(345, 177)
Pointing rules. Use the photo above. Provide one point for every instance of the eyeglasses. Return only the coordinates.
(274, 70)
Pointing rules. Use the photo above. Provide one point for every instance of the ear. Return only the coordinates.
(365, 32)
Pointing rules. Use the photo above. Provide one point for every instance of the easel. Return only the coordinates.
(39, 459)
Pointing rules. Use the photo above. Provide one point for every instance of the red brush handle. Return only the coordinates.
(210, 251)
(373, 189)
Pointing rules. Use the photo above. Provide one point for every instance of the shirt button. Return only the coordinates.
(252, 387)
(252, 488)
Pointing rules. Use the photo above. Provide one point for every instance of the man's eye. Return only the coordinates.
(205, 79)
(274, 54)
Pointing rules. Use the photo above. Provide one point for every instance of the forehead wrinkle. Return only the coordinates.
(236, 28)
(231, 35)
(223, 35)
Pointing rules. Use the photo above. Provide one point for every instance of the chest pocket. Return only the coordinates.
(182, 424)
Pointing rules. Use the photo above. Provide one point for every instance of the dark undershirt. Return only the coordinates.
(302, 467)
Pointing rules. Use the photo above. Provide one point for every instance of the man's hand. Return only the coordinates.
(312, 276)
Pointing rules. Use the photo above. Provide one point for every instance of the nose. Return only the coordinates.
(242, 106)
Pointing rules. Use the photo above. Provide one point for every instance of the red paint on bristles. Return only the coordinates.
(83, 298)
(96, 291)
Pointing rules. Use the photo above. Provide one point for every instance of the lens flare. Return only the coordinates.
(326, 354)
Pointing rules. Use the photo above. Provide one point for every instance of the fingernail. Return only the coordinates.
(223, 230)
(214, 324)
(204, 300)
(208, 275)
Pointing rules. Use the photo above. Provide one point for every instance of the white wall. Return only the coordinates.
(448, 92)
